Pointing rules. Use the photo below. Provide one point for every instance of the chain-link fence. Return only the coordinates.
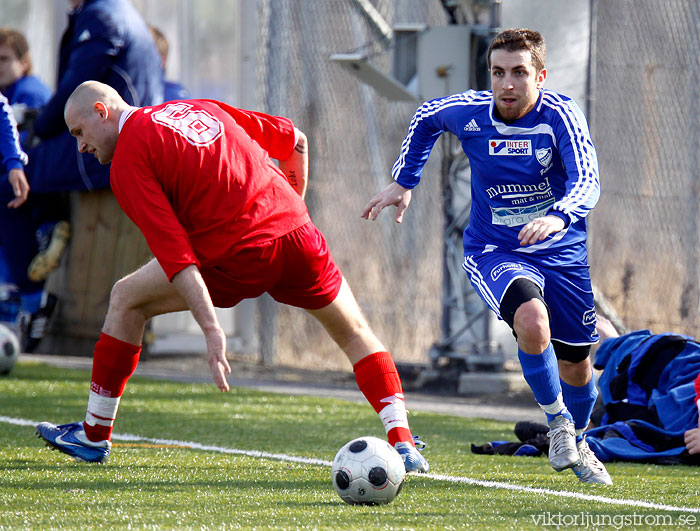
(354, 135)
(643, 109)
(644, 243)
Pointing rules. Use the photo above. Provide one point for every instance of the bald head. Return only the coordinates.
(92, 114)
(89, 93)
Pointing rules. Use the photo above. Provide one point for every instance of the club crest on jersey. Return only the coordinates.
(508, 266)
(510, 147)
(544, 156)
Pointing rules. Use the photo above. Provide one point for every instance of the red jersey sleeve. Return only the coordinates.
(142, 198)
(275, 134)
(697, 391)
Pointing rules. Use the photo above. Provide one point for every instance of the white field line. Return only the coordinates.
(438, 477)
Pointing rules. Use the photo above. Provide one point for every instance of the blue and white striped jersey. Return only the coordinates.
(543, 163)
(11, 155)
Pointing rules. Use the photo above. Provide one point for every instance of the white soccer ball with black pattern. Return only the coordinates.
(368, 471)
(9, 349)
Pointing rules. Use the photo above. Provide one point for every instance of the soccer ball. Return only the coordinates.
(9, 349)
(368, 471)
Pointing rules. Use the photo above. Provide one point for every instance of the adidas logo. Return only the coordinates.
(472, 126)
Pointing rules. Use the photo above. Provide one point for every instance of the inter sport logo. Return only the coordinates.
(510, 147)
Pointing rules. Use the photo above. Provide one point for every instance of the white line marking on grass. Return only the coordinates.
(223, 450)
(438, 477)
(562, 493)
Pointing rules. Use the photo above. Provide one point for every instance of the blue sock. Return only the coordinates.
(31, 302)
(541, 373)
(580, 402)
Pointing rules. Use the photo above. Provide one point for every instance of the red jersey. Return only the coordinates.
(197, 178)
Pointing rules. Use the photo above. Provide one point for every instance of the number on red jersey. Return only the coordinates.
(198, 126)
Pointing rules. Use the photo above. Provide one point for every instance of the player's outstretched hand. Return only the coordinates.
(692, 440)
(538, 229)
(20, 187)
(395, 195)
(216, 355)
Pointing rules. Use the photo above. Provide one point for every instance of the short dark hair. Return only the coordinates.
(513, 40)
(17, 41)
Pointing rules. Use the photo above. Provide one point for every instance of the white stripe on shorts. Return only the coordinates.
(477, 280)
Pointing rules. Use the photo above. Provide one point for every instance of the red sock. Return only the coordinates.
(379, 381)
(114, 361)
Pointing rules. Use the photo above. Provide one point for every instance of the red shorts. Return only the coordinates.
(295, 269)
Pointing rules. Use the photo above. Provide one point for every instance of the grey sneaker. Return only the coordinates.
(590, 469)
(563, 452)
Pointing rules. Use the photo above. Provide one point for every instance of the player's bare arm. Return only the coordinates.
(395, 195)
(538, 229)
(191, 286)
(296, 166)
(20, 187)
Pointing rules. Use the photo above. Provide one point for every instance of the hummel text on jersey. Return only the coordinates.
(472, 126)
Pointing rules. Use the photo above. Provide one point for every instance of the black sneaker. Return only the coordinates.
(526, 430)
(32, 327)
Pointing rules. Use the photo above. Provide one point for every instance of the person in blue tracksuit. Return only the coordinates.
(107, 41)
(26, 94)
(12, 162)
(12, 158)
(534, 178)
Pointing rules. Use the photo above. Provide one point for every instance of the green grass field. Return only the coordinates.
(158, 481)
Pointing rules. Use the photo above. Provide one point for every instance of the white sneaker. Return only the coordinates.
(563, 452)
(590, 469)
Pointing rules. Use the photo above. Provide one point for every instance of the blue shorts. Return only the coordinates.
(566, 290)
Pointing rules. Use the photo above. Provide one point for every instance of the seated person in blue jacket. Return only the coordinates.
(26, 93)
(173, 90)
(107, 41)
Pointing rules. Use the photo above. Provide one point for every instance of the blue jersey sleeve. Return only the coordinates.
(430, 120)
(12, 155)
(426, 127)
(580, 162)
